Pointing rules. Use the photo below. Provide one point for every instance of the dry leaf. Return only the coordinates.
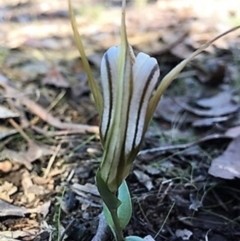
(149, 238)
(184, 234)
(43, 113)
(41, 209)
(55, 78)
(6, 131)
(7, 113)
(7, 209)
(26, 185)
(226, 109)
(16, 157)
(206, 122)
(169, 109)
(227, 165)
(6, 190)
(233, 132)
(144, 179)
(25, 158)
(219, 99)
(15, 235)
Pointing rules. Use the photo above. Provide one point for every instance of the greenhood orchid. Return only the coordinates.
(125, 102)
(127, 85)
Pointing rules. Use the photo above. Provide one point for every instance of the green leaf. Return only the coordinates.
(110, 200)
(133, 238)
(108, 216)
(93, 85)
(125, 209)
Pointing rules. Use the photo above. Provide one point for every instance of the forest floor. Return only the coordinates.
(185, 181)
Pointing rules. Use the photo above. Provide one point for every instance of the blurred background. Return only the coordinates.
(49, 124)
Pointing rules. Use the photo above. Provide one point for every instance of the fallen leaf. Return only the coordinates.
(44, 114)
(150, 169)
(41, 209)
(149, 238)
(226, 109)
(144, 179)
(169, 109)
(219, 99)
(6, 190)
(55, 78)
(26, 185)
(233, 132)
(15, 235)
(25, 158)
(206, 122)
(213, 74)
(7, 209)
(184, 234)
(16, 157)
(87, 194)
(7, 113)
(31, 70)
(6, 131)
(227, 165)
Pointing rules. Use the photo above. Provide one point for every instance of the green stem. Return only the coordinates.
(118, 230)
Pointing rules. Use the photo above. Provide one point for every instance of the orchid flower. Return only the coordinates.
(127, 85)
(125, 102)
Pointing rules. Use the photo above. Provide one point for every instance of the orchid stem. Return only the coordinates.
(118, 230)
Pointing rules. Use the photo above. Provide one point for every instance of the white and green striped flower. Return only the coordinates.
(126, 101)
(127, 86)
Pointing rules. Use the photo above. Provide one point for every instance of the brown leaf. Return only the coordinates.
(227, 165)
(55, 78)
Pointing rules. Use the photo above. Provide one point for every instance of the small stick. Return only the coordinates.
(20, 130)
(51, 161)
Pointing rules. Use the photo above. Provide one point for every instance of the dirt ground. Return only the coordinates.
(185, 181)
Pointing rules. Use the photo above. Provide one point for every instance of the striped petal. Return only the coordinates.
(145, 77)
(108, 82)
(117, 84)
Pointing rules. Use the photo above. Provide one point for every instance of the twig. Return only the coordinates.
(66, 230)
(20, 130)
(163, 149)
(50, 107)
(43, 114)
(50, 163)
